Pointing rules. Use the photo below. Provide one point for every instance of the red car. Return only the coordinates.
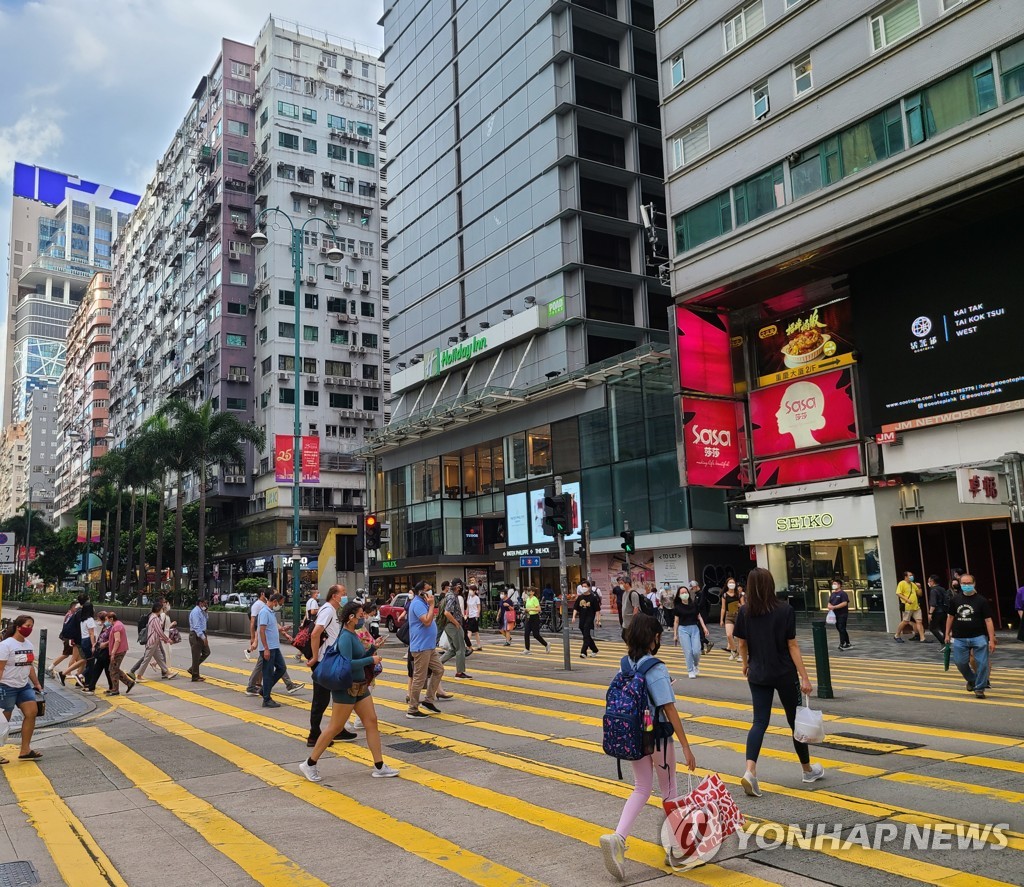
(393, 615)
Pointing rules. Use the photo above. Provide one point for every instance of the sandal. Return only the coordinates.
(4, 761)
(31, 756)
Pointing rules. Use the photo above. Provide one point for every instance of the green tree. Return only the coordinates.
(58, 557)
(111, 471)
(252, 585)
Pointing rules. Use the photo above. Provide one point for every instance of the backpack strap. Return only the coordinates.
(625, 666)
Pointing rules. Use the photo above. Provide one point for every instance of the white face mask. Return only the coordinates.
(732, 585)
(685, 597)
(835, 587)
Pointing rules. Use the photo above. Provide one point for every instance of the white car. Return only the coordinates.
(236, 602)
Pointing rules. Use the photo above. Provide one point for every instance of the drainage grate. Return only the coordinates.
(867, 745)
(412, 748)
(17, 874)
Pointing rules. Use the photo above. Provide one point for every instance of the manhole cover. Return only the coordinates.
(412, 748)
(867, 745)
(17, 874)
(58, 707)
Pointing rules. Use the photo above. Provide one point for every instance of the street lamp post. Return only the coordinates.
(92, 439)
(259, 239)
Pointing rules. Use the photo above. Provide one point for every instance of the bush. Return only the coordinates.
(252, 585)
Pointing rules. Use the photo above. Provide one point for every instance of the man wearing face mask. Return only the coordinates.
(839, 603)
(909, 593)
(269, 646)
(969, 625)
(588, 608)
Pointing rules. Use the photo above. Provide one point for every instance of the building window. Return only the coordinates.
(1011, 65)
(238, 128)
(759, 195)
(744, 24)
(311, 398)
(894, 23)
(335, 122)
(312, 300)
(239, 71)
(950, 102)
(802, 75)
(286, 330)
(238, 308)
(339, 337)
(369, 371)
(309, 365)
(286, 297)
(336, 152)
(369, 340)
(309, 146)
(366, 249)
(286, 395)
(690, 144)
(338, 368)
(704, 222)
(947, 5)
(286, 109)
(286, 171)
(239, 278)
(759, 96)
(341, 401)
(366, 309)
(286, 362)
(265, 365)
(677, 70)
(372, 404)
(235, 340)
(288, 140)
(308, 115)
(236, 403)
(328, 60)
(311, 333)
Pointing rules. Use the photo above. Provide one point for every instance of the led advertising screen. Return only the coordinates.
(803, 413)
(805, 468)
(518, 520)
(704, 352)
(710, 451)
(575, 513)
(798, 345)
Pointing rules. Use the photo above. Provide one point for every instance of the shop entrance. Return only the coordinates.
(988, 549)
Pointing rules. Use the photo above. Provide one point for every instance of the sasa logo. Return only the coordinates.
(711, 437)
(801, 405)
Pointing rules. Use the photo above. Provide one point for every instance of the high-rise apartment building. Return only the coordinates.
(529, 322)
(28, 453)
(291, 123)
(83, 400)
(844, 183)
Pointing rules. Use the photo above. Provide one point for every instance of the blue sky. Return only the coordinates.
(97, 89)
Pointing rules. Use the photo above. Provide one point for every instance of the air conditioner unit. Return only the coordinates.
(241, 226)
(346, 414)
(330, 380)
(353, 348)
(355, 255)
(347, 285)
(362, 350)
(238, 377)
(234, 256)
(313, 201)
(324, 250)
(337, 206)
(234, 479)
(283, 377)
(310, 280)
(365, 288)
(346, 73)
(312, 380)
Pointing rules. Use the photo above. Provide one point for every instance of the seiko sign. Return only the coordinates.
(803, 522)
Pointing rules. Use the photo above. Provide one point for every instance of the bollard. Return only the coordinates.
(818, 632)
(41, 664)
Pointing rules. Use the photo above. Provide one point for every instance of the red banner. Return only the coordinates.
(311, 460)
(803, 413)
(284, 467)
(807, 467)
(711, 453)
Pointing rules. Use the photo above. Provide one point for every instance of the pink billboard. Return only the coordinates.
(711, 453)
(807, 467)
(705, 353)
(803, 413)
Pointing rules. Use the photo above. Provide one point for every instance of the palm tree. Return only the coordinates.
(215, 439)
(111, 468)
(155, 429)
(174, 441)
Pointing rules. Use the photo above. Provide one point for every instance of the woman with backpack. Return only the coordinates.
(643, 641)
(69, 635)
(766, 631)
(86, 639)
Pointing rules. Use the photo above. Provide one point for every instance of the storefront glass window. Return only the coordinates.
(538, 445)
(452, 477)
(627, 419)
(707, 509)
(669, 508)
(596, 492)
(595, 441)
(803, 573)
(416, 485)
(515, 457)
(497, 468)
(469, 475)
(629, 485)
(432, 478)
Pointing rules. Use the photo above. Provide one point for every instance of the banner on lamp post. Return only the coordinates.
(311, 460)
(96, 531)
(284, 465)
(83, 530)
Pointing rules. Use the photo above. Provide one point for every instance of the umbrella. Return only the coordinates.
(945, 656)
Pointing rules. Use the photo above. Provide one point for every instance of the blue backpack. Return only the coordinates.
(626, 706)
(334, 672)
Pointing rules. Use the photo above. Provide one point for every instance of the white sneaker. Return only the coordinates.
(814, 774)
(50, 673)
(750, 785)
(614, 850)
(384, 772)
(248, 655)
(310, 772)
(357, 724)
(691, 674)
(734, 656)
(294, 688)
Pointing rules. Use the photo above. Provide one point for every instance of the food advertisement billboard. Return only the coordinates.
(799, 345)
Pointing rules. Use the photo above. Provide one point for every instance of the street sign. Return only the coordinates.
(6, 538)
(6, 553)
(529, 562)
(6, 569)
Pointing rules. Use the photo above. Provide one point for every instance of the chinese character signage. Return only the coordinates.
(799, 345)
(710, 451)
(311, 460)
(803, 413)
(284, 466)
(704, 352)
(808, 467)
(978, 487)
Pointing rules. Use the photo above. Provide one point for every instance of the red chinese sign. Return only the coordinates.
(311, 460)
(284, 466)
(977, 487)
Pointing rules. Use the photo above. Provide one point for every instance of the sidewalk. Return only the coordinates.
(62, 705)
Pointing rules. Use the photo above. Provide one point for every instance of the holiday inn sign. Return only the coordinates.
(439, 360)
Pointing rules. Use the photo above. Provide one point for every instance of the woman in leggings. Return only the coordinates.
(766, 632)
(643, 638)
(532, 608)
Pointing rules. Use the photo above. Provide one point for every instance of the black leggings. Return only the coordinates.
(588, 637)
(533, 628)
(762, 695)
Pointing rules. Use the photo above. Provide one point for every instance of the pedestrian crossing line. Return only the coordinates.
(644, 852)
(76, 855)
(840, 801)
(640, 851)
(984, 791)
(408, 837)
(262, 862)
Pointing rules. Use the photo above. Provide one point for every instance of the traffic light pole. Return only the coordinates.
(563, 580)
(629, 567)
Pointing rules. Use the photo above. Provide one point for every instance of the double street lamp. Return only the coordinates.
(259, 239)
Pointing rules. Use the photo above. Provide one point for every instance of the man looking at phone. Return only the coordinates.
(427, 669)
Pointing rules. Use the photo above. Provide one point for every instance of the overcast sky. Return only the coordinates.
(97, 89)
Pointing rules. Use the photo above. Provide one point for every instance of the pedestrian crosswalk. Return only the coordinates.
(507, 786)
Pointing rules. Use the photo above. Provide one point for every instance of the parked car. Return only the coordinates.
(393, 614)
(236, 601)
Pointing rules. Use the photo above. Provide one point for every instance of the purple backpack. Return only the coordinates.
(626, 706)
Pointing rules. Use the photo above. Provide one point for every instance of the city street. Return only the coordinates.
(197, 784)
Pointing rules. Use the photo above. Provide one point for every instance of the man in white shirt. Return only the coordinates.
(256, 678)
(325, 633)
(313, 604)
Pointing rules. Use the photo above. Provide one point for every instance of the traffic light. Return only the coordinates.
(627, 541)
(581, 550)
(556, 513)
(371, 532)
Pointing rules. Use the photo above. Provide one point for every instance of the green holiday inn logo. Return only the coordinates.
(439, 360)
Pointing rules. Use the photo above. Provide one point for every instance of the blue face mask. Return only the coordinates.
(360, 623)
(968, 588)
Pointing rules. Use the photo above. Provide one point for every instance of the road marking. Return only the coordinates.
(262, 862)
(76, 855)
(426, 845)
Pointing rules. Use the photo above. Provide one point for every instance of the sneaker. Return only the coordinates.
(691, 674)
(733, 655)
(416, 715)
(198, 679)
(87, 690)
(346, 736)
(613, 849)
(384, 772)
(50, 673)
(462, 676)
(269, 703)
(429, 706)
(899, 640)
(814, 774)
(248, 655)
(80, 681)
(111, 693)
(547, 648)
(294, 688)
(526, 652)
(357, 724)
(583, 655)
(980, 694)
(970, 688)
(751, 787)
(131, 687)
(251, 691)
(310, 771)
(170, 676)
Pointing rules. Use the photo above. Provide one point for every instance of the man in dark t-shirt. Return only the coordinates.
(938, 602)
(969, 625)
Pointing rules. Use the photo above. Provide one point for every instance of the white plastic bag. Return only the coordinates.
(443, 643)
(809, 725)
(5, 729)
(830, 618)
